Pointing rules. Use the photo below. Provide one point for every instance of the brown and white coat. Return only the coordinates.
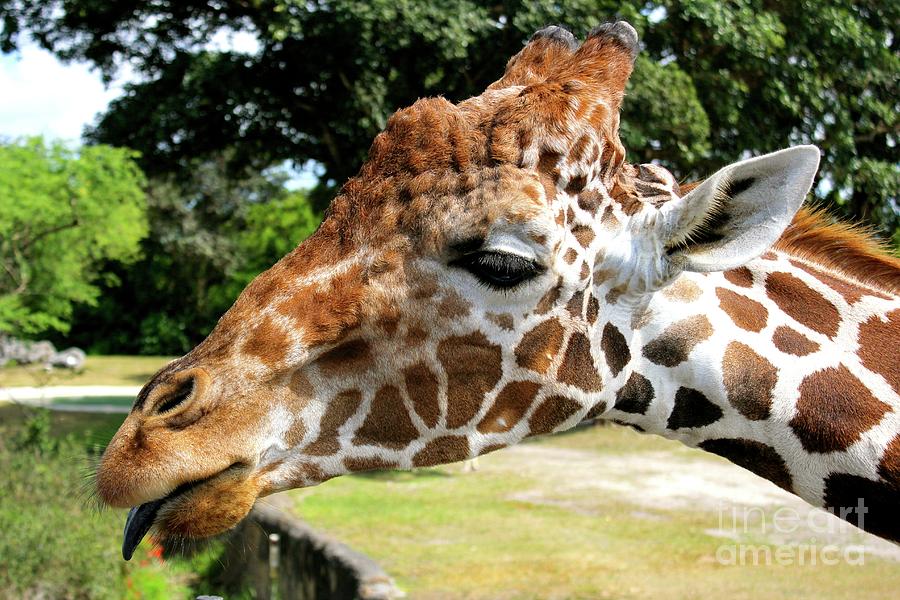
(498, 270)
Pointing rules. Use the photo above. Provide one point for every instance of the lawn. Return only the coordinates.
(513, 530)
(98, 370)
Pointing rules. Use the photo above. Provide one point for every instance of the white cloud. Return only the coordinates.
(39, 95)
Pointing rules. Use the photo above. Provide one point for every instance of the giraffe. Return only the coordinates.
(498, 270)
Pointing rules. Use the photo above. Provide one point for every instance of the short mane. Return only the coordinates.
(843, 247)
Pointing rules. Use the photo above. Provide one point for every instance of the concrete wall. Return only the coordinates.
(311, 565)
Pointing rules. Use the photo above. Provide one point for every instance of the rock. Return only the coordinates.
(39, 352)
(70, 358)
(13, 349)
(43, 352)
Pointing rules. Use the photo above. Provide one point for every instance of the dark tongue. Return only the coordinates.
(138, 523)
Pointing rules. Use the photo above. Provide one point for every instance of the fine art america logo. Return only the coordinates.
(788, 536)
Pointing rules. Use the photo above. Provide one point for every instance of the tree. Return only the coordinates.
(63, 213)
(210, 234)
(775, 73)
(717, 79)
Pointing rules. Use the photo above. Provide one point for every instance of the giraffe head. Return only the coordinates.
(452, 300)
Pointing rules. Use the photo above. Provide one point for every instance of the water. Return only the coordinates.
(91, 404)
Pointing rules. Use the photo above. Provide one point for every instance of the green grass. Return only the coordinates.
(98, 370)
(444, 534)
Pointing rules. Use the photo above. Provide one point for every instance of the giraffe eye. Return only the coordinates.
(500, 270)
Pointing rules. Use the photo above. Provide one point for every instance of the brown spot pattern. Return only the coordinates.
(803, 304)
(442, 450)
(576, 184)
(374, 463)
(741, 277)
(878, 342)
(635, 396)
(268, 342)
(327, 313)
(575, 305)
(354, 356)
(615, 348)
(682, 290)
(578, 367)
(553, 411)
(473, 368)
(415, 335)
(583, 234)
(548, 300)
(614, 293)
(675, 343)
(453, 306)
(589, 200)
(540, 345)
(422, 386)
(692, 409)
(510, 406)
(745, 313)
(502, 320)
(749, 381)
(834, 410)
(754, 456)
(341, 408)
(793, 342)
(593, 308)
(295, 433)
(851, 292)
(388, 422)
(596, 410)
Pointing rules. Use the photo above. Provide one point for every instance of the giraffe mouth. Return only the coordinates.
(141, 518)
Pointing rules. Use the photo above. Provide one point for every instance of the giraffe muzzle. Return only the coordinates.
(141, 518)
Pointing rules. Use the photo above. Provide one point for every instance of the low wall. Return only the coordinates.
(311, 565)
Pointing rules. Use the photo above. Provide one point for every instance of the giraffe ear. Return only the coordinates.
(739, 212)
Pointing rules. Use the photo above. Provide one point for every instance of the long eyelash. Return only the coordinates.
(501, 263)
(505, 262)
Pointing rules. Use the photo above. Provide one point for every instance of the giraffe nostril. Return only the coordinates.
(176, 397)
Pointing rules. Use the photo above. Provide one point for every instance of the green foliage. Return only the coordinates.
(270, 231)
(35, 434)
(53, 544)
(769, 74)
(62, 214)
(210, 234)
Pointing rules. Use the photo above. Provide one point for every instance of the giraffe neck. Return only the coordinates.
(782, 367)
